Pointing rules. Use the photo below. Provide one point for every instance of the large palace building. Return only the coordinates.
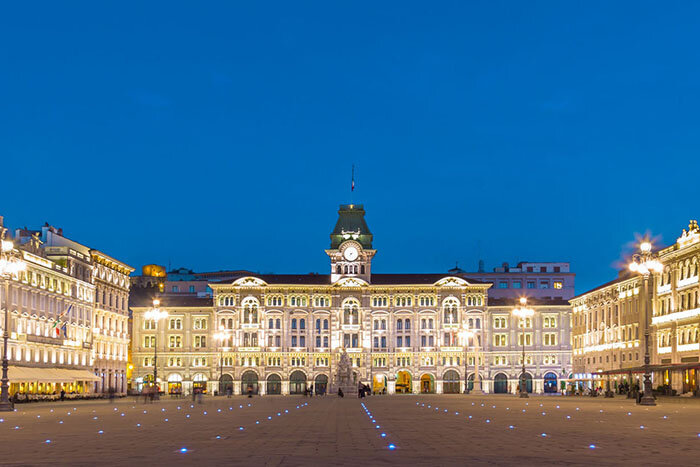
(403, 333)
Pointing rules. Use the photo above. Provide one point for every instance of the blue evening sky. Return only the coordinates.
(221, 135)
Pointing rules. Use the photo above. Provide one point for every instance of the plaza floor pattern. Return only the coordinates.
(379, 430)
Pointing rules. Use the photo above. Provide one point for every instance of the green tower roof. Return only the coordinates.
(351, 225)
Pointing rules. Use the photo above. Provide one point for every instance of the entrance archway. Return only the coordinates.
(297, 382)
(249, 381)
(427, 384)
(403, 383)
(500, 384)
(321, 384)
(379, 384)
(225, 384)
(450, 382)
(274, 384)
(550, 383)
(528, 381)
(174, 384)
(199, 383)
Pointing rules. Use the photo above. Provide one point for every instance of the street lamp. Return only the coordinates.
(645, 264)
(523, 312)
(220, 337)
(155, 314)
(467, 334)
(10, 264)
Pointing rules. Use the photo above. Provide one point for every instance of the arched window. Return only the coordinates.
(399, 324)
(449, 310)
(294, 323)
(407, 324)
(302, 323)
(250, 311)
(351, 313)
(325, 324)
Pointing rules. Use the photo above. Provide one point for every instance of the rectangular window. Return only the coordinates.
(500, 340)
(517, 284)
(383, 340)
(176, 288)
(550, 338)
(544, 284)
(503, 285)
(200, 341)
(318, 341)
(557, 269)
(531, 284)
(399, 341)
(294, 341)
(325, 341)
(408, 341)
(528, 338)
(175, 342)
(192, 289)
(302, 341)
(149, 341)
(558, 284)
(543, 268)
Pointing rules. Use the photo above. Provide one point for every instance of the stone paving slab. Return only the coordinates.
(425, 430)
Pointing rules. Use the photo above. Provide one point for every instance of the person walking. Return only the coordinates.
(63, 394)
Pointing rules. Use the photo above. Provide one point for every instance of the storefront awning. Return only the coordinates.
(22, 374)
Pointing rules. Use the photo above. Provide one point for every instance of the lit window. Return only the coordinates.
(558, 284)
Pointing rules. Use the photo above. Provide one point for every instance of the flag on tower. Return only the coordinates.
(352, 185)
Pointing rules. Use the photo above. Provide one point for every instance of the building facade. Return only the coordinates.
(609, 323)
(52, 306)
(543, 280)
(403, 333)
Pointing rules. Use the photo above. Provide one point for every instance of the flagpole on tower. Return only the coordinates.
(352, 184)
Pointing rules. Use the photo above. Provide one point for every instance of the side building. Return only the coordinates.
(53, 306)
(403, 333)
(609, 323)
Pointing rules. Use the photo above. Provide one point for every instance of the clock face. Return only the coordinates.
(351, 253)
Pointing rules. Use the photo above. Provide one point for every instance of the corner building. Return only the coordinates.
(403, 333)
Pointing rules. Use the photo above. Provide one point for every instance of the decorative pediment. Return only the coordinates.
(451, 281)
(351, 282)
(249, 281)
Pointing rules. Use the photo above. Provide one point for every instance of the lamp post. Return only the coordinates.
(155, 314)
(10, 264)
(645, 264)
(220, 337)
(467, 334)
(523, 312)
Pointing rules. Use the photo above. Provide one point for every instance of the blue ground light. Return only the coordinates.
(391, 447)
(183, 450)
(592, 446)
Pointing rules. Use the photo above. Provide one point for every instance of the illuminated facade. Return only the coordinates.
(609, 324)
(111, 331)
(403, 333)
(53, 308)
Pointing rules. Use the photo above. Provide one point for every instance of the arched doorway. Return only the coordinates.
(249, 381)
(297, 382)
(550, 383)
(427, 384)
(528, 381)
(274, 384)
(174, 384)
(450, 382)
(199, 383)
(225, 384)
(379, 384)
(500, 384)
(403, 383)
(321, 384)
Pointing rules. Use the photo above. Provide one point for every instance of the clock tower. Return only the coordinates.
(351, 245)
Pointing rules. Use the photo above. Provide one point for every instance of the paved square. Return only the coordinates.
(425, 430)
